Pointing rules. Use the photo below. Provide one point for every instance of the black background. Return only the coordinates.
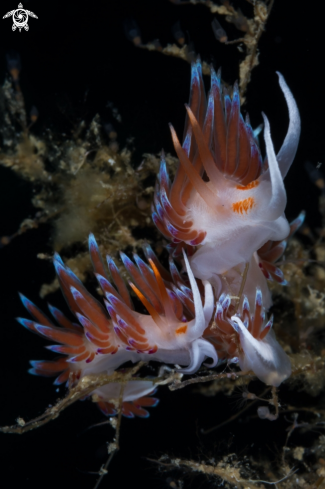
(77, 54)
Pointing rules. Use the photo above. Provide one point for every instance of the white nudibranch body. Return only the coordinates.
(265, 358)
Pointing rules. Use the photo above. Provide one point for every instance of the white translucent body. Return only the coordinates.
(265, 358)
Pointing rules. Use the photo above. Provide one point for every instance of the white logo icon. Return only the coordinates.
(20, 18)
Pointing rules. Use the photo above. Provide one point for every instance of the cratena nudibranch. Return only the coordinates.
(223, 213)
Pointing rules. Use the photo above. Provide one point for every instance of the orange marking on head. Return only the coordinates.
(243, 205)
(181, 329)
(253, 184)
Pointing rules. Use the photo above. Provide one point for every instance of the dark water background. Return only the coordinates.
(74, 49)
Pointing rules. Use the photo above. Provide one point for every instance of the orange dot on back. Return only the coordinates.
(243, 205)
(181, 329)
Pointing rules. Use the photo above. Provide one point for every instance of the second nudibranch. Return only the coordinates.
(104, 339)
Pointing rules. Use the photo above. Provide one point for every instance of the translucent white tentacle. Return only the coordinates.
(199, 325)
(199, 350)
(208, 302)
(289, 147)
(275, 207)
(210, 352)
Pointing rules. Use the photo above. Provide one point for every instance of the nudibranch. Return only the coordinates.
(224, 216)
(225, 200)
(105, 338)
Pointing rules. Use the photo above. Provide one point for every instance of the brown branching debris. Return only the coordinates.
(252, 29)
(230, 471)
(82, 389)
